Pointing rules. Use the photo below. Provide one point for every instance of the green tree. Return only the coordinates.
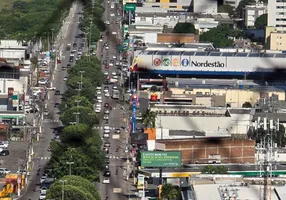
(85, 115)
(184, 28)
(218, 36)
(261, 21)
(92, 149)
(75, 135)
(80, 166)
(71, 192)
(246, 105)
(75, 181)
(226, 9)
(149, 118)
(76, 100)
(170, 192)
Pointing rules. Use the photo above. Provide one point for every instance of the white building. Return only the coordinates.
(276, 14)
(205, 6)
(168, 5)
(252, 12)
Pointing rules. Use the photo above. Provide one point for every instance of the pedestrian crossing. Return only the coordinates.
(100, 127)
(43, 158)
(113, 157)
(51, 120)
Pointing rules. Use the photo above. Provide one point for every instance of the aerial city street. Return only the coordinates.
(142, 100)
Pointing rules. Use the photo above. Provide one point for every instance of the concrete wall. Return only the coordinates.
(216, 125)
(234, 97)
(176, 38)
(230, 150)
(10, 53)
(12, 83)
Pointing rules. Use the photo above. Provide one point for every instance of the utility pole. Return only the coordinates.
(63, 185)
(81, 77)
(70, 164)
(266, 158)
(90, 27)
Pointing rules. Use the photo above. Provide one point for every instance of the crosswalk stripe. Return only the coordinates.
(100, 127)
(43, 158)
(51, 120)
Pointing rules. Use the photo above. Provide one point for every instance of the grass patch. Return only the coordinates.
(8, 3)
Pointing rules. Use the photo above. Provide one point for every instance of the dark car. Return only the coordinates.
(74, 45)
(68, 49)
(5, 152)
(69, 65)
(106, 173)
(104, 62)
(57, 92)
(57, 105)
(107, 33)
(71, 60)
(106, 105)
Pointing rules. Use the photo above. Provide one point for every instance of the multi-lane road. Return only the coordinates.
(116, 115)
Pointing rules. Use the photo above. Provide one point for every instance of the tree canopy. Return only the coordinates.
(75, 135)
(184, 28)
(220, 36)
(170, 192)
(74, 187)
(85, 115)
(210, 169)
(149, 118)
(261, 22)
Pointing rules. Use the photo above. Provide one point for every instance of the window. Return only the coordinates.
(157, 1)
(173, 1)
(172, 7)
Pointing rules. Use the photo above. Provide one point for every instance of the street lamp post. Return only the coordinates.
(70, 164)
(63, 192)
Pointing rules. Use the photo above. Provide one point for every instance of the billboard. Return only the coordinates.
(208, 63)
(161, 159)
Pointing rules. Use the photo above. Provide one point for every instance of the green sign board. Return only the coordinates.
(161, 159)
(130, 7)
(15, 97)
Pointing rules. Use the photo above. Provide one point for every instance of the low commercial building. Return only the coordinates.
(277, 41)
(213, 150)
(185, 121)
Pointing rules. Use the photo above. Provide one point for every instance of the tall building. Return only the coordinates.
(277, 14)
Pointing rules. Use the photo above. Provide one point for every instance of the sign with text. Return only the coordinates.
(130, 7)
(161, 159)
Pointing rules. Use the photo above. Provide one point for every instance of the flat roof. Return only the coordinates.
(183, 51)
(223, 84)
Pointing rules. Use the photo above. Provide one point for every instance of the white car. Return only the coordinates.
(100, 40)
(106, 135)
(106, 126)
(98, 92)
(107, 131)
(114, 87)
(107, 22)
(113, 74)
(98, 88)
(99, 101)
(98, 105)
(43, 178)
(106, 90)
(44, 190)
(65, 78)
(23, 172)
(107, 94)
(107, 47)
(42, 196)
(4, 171)
(106, 181)
(117, 64)
(115, 77)
(106, 112)
(43, 81)
(106, 117)
(110, 64)
(97, 110)
(114, 57)
(105, 73)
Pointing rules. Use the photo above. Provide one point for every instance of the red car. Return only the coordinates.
(106, 66)
(116, 22)
(107, 77)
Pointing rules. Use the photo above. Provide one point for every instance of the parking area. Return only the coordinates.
(16, 157)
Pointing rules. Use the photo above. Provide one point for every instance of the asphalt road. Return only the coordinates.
(42, 154)
(116, 115)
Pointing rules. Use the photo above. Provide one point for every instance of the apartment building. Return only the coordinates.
(252, 12)
(276, 14)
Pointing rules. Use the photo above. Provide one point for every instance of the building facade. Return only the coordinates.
(277, 41)
(252, 12)
(276, 14)
(213, 150)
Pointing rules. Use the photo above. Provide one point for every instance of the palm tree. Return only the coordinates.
(35, 62)
(149, 118)
(170, 192)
